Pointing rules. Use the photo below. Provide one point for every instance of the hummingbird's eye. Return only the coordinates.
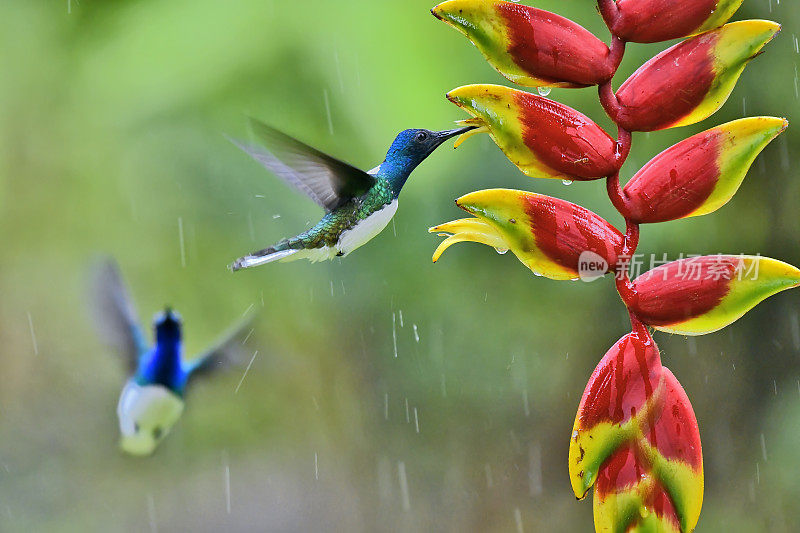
(421, 136)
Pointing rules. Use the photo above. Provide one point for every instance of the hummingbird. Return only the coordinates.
(358, 204)
(152, 399)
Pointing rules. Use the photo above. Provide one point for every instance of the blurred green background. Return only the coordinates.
(459, 379)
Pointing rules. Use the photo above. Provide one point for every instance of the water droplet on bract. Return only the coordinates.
(566, 182)
(501, 251)
(543, 91)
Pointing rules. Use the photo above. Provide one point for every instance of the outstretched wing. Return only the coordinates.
(323, 178)
(114, 313)
(230, 350)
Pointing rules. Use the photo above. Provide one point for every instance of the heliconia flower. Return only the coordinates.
(651, 21)
(636, 440)
(691, 80)
(530, 46)
(699, 295)
(543, 138)
(547, 234)
(700, 174)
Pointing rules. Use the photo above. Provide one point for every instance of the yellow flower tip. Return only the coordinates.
(464, 136)
(457, 13)
(467, 230)
(439, 229)
(756, 33)
(485, 202)
(444, 245)
(462, 96)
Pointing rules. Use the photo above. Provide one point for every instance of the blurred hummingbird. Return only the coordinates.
(152, 399)
(358, 204)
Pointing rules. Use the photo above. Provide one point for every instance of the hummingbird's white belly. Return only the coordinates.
(146, 414)
(365, 230)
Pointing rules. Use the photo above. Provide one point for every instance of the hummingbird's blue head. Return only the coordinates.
(167, 326)
(409, 149)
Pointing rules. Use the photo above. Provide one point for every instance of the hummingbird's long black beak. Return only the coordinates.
(442, 136)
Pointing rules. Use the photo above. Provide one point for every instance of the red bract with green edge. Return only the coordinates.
(543, 138)
(690, 81)
(547, 234)
(699, 175)
(636, 440)
(530, 46)
(651, 21)
(699, 295)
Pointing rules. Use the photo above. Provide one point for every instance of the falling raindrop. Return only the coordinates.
(518, 519)
(33, 335)
(227, 480)
(535, 469)
(151, 513)
(416, 333)
(543, 91)
(401, 473)
(525, 403)
(246, 370)
(328, 111)
(180, 237)
(394, 333)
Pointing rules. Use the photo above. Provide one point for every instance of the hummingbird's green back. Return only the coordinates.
(328, 230)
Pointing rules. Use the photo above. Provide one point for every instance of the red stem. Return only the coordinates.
(609, 100)
(624, 141)
(612, 106)
(608, 8)
(617, 50)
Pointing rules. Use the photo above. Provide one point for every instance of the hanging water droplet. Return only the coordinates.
(566, 182)
(501, 251)
(543, 91)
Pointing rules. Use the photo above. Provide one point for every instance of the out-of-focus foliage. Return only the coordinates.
(111, 122)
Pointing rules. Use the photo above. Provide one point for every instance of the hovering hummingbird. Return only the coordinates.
(358, 204)
(152, 399)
